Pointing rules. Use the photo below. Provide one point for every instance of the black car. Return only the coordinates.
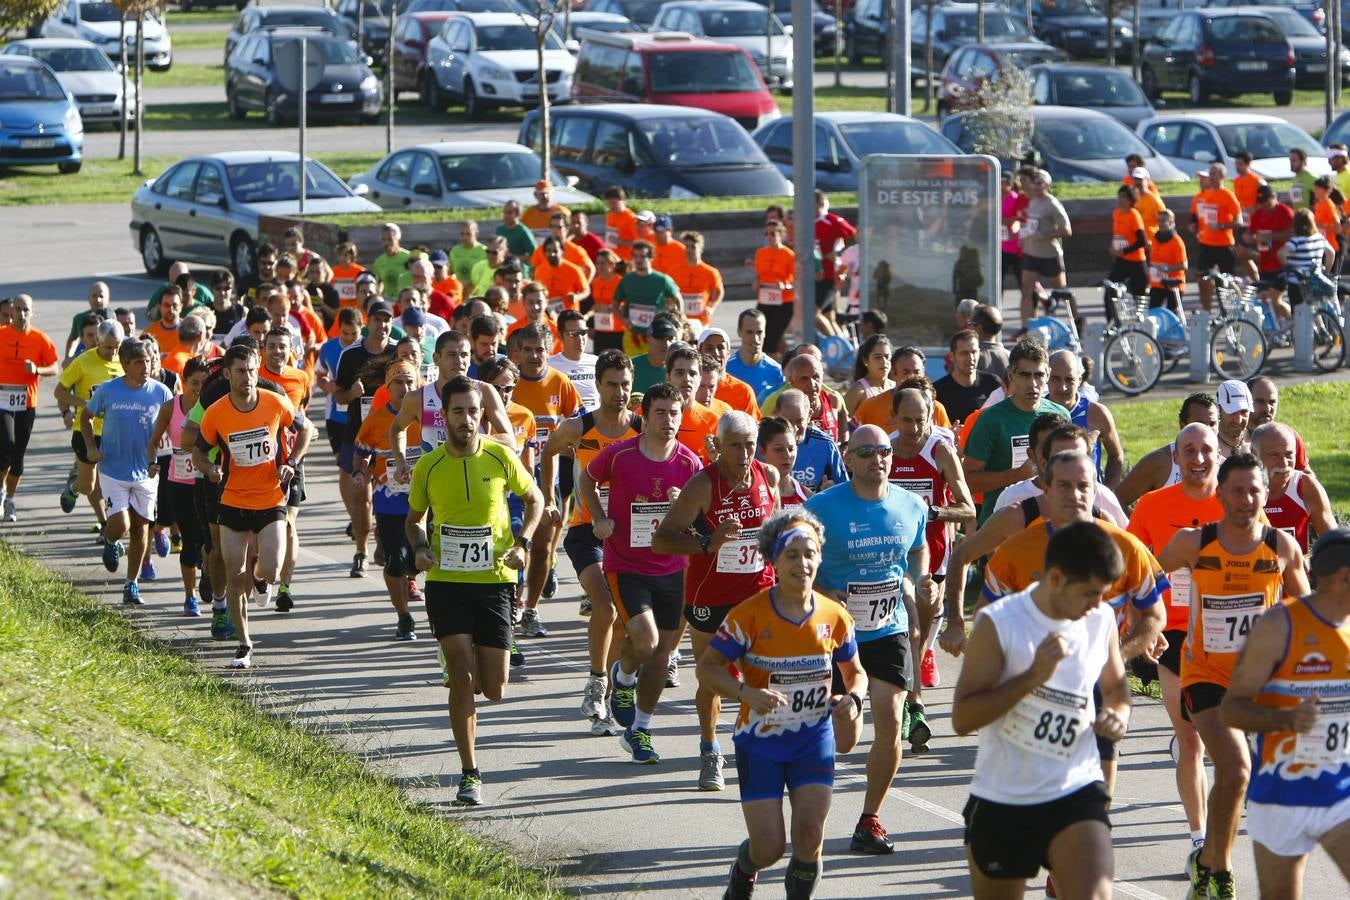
(372, 23)
(954, 25)
(1310, 45)
(1310, 10)
(1085, 86)
(345, 89)
(822, 23)
(1219, 51)
(640, 12)
(1080, 28)
(253, 18)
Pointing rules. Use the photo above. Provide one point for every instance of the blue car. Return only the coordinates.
(39, 121)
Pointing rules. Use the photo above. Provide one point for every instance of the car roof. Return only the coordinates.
(54, 43)
(716, 4)
(265, 11)
(13, 59)
(494, 18)
(672, 41)
(1218, 118)
(634, 111)
(244, 157)
(469, 147)
(282, 31)
(1074, 68)
(1066, 112)
(845, 117)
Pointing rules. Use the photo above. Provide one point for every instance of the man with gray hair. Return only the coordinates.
(1295, 499)
(128, 468)
(192, 341)
(818, 464)
(715, 522)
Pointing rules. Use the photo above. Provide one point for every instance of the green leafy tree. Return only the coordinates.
(21, 15)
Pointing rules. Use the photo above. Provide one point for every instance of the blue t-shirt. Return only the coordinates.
(329, 354)
(818, 457)
(1079, 416)
(866, 553)
(128, 421)
(763, 377)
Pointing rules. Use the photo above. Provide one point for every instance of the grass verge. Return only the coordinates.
(212, 39)
(124, 769)
(185, 75)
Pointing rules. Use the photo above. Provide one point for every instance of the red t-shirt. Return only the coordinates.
(1281, 218)
(830, 230)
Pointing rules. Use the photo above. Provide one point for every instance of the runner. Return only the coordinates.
(469, 559)
(1240, 566)
(1216, 216)
(1037, 796)
(128, 474)
(1235, 406)
(786, 641)
(1044, 228)
(1289, 688)
(965, 388)
(642, 293)
(1066, 381)
(98, 298)
(246, 426)
(1296, 499)
(297, 383)
(734, 392)
(698, 423)
(775, 297)
(1161, 468)
(875, 560)
(700, 284)
(1129, 247)
(77, 384)
(1056, 436)
(574, 361)
(715, 522)
(749, 363)
(645, 475)
(818, 463)
(177, 496)
(26, 355)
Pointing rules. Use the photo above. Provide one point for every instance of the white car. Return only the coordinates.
(1192, 140)
(86, 72)
(738, 22)
(487, 60)
(100, 23)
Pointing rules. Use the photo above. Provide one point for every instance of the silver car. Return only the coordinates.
(205, 209)
(460, 174)
(100, 22)
(86, 72)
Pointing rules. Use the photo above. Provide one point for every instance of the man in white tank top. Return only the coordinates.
(574, 361)
(1037, 797)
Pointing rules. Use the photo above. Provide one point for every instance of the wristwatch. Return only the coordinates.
(523, 543)
(934, 512)
(704, 542)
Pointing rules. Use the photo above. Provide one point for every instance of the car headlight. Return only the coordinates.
(495, 73)
(1126, 31)
(679, 193)
(1075, 33)
(72, 121)
(369, 83)
(1345, 57)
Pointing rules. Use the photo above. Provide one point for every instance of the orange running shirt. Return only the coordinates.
(295, 382)
(697, 284)
(697, 424)
(774, 264)
(1164, 254)
(602, 313)
(1328, 221)
(1157, 517)
(1125, 227)
(248, 442)
(666, 258)
(1244, 188)
(1215, 207)
(738, 395)
(551, 398)
(560, 280)
(17, 348)
(621, 226)
(166, 337)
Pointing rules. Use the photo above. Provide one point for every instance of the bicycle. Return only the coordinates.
(1132, 358)
(1328, 326)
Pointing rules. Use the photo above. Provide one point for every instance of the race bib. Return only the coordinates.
(770, 296)
(13, 397)
(1019, 445)
(740, 555)
(1295, 193)
(1209, 214)
(641, 316)
(391, 484)
(922, 487)
(346, 290)
(1181, 588)
(1118, 243)
(873, 603)
(1004, 234)
(540, 234)
(250, 448)
(1327, 745)
(467, 549)
(644, 519)
(367, 403)
(1263, 241)
(1047, 722)
(182, 469)
(1228, 620)
(693, 304)
(1155, 273)
(808, 698)
(604, 321)
(612, 237)
(1031, 226)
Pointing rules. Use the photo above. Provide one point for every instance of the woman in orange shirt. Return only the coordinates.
(344, 274)
(775, 266)
(606, 328)
(1325, 213)
(621, 223)
(1167, 260)
(1129, 246)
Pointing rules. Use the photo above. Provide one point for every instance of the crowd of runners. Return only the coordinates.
(492, 406)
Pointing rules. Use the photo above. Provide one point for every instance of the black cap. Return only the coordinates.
(663, 328)
(379, 308)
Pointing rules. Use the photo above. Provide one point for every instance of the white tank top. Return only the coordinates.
(582, 373)
(1043, 748)
(1173, 476)
(433, 419)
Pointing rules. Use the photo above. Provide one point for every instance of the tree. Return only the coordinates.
(21, 15)
(135, 10)
(544, 13)
(928, 58)
(1003, 126)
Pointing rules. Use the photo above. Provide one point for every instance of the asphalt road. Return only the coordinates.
(555, 794)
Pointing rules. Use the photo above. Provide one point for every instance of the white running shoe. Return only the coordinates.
(243, 658)
(11, 515)
(605, 726)
(593, 698)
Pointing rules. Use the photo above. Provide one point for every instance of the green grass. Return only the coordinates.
(840, 98)
(224, 15)
(125, 770)
(1177, 101)
(199, 40)
(186, 75)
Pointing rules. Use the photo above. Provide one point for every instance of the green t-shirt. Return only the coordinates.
(519, 241)
(392, 272)
(999, 439)
(482, 278)
(1301, 191)
(467, 499)
(77, 324)
(462, 260)
(642, 296)
(645, 374)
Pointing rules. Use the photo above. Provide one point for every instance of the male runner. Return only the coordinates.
(26, 355)
(77, 384)
(965, 388)
(698, 423)
(1066, 377)
(749, 363)
(573, 361)
(1295, 500)
(1235, 407)
(1160, 468)
(818, 463)
(297, 383)
(469, 559)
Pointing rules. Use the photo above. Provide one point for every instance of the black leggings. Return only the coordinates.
(15, 430)
(776, 321)
(180, 502)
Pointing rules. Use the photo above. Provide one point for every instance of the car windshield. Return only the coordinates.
(314, 18)
(483, 171)
(892, 137)
(336, 52)
(642, 11)
(382, 8)
(1069, 8)
(702, 73)
(19, 83)
(736, 23)
(1090, 139)
(512, 37)
(711, 141)
(1098, 88)
(1266, 139)
(1024, 59)
(996, 25)
(1291, 23)
(271, 181)
(104, 12)
(73, 59)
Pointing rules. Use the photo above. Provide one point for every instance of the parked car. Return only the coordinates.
(1311, 10)
(823, 27)
(488, 60)
(1090, 87)
(843, 139)
(100, 22)
(1310, 46)
(973, 66)
(205, 209)
(737, 22)
(639, 12)
(417, 6)
(569, 28)
(371, 25)
(457, 174)
(254, 80)
(1153, 15)
(253, 18)
(1075, 145)
(954, 26)
(1338, 132)
(39, 121)
(1079, 27)
(412, 34)
(677, 69)
(1219, 52)
(652, 150)
(86, 73)
(1194, 139)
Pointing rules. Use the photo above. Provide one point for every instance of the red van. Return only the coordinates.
(673, 68)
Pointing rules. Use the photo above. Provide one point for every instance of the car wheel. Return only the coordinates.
(243, 256)
(236, 112)
(474, 107)
(1284, 98)
(1196, 89)
(433, 98)
(152, 253)
(1149, 82)
(273, 107)
(68, 168)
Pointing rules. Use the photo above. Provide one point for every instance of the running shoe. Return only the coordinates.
(191, 607)
(112, 551)
(1198, 873)
(605, 726)
(445, 667)
(148, 570)
(739, 885)
(870, 837)
(1221, 886)
(517, 658)
(623, 702)
(407, 629)
(673, 671)
(710, 771)
(131, 594)
(175, 543)
(11, 514)
(1195, 845)
(584, 607)
(919, 732)
(470, 790)
(358, 566)
(551, 586)
(262, 594)
(904, 723)
(68, 497)
(593, 698)
(222, 629)
(530, 626)
(414, 592)
(929, 676)
(243, 658)
(639, 743)
(285, 602)
(161, 543)
(378, 558)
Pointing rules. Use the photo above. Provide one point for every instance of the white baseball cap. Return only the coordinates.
(1233, 396)
(1139, 172)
